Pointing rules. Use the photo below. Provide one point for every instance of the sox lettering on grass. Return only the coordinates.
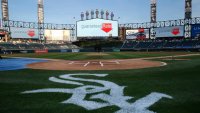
(115, 97)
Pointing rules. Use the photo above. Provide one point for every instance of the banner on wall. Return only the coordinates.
(137, 34)
(195, 31)
(176, 31)
(24, 33)
(41, 51)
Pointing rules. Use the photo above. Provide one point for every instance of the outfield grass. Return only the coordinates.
(180, 79)
(107, 55)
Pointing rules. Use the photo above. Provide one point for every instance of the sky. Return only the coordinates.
(126, 11)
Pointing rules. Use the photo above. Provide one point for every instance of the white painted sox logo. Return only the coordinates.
(114, 98)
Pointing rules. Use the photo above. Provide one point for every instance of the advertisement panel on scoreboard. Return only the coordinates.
(176, 31)
(53, 35)
(137, 34)
(97, 28)
(24, 33)
(195, 30)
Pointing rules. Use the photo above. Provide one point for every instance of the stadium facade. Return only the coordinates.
(100, 24)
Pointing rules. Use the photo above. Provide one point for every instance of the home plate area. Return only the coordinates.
(94, 63)
(113, 64)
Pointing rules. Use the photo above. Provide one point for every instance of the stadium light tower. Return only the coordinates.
(4, 7)
(41, 19)
(5, 14)
(188, 9)
(188, 16)
(5, 17)
(153, 10)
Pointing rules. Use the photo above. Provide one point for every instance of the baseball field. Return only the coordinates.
(116, 82)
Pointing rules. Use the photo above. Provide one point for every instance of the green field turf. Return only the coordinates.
(179, 79)
(109, 55)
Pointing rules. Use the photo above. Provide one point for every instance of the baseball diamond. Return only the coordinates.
(100, 56)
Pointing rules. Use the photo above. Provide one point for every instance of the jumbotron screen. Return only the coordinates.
(63, 35)
(97, 28)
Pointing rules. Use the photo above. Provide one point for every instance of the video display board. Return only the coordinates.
(62, 35)
(137, 34)
(97, 28)
(176, 31)
(24, 33)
